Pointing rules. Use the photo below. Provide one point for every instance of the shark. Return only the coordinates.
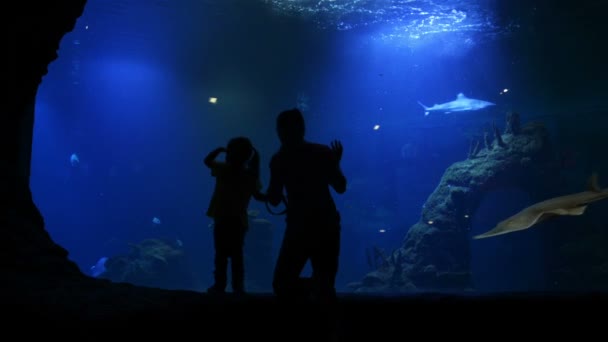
(574, 204)
(461, 104)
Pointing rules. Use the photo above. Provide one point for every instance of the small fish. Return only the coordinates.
(156, 221)
(99, 268)
(74, 160)
(253, 212)
(179, 242)
(262, 221)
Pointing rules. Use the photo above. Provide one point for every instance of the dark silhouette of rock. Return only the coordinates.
(35, 34)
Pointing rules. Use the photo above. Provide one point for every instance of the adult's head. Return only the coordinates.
(290, 127)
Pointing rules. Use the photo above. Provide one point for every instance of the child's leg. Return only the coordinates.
(237, 260)
(221, 256)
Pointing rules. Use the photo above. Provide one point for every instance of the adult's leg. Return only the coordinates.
(324, 259)
(290, 262)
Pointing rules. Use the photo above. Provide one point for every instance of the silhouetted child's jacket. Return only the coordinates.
(234, 188)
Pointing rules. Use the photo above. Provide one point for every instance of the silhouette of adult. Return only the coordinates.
(306, 170)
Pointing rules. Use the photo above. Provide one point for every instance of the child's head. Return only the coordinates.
(238, 151)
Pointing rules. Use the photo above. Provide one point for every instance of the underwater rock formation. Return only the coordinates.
(435, 252)
(152, 263)
(513, 123)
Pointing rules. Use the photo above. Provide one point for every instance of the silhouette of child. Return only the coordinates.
(237, 180)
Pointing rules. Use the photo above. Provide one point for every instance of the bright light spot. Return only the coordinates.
(505, 90)
(376, 127)
(382, 230)
(213, 100)
(86, 27)
(430, 222)
(466, 216)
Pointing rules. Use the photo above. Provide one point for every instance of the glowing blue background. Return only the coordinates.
(129, 94)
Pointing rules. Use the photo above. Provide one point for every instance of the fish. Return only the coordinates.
(461, 104)
(99, 268)
(74, 160)
(572, 205)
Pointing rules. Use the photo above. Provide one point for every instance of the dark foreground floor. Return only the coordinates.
(89, 309)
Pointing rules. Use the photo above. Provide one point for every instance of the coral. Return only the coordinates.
(498, 136)
(486, 140)
(389, 277)
(152, 262)
(156, 249)
(473, 149)
(376, 257)
(513, 123)
(435, 252)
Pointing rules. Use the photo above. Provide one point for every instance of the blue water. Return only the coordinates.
(129, 95)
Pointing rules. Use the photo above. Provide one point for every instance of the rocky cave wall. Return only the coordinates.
(34, 33)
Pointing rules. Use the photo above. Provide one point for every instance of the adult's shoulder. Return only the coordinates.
(320, 148)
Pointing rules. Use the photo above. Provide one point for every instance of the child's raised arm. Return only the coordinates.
(210, 159)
